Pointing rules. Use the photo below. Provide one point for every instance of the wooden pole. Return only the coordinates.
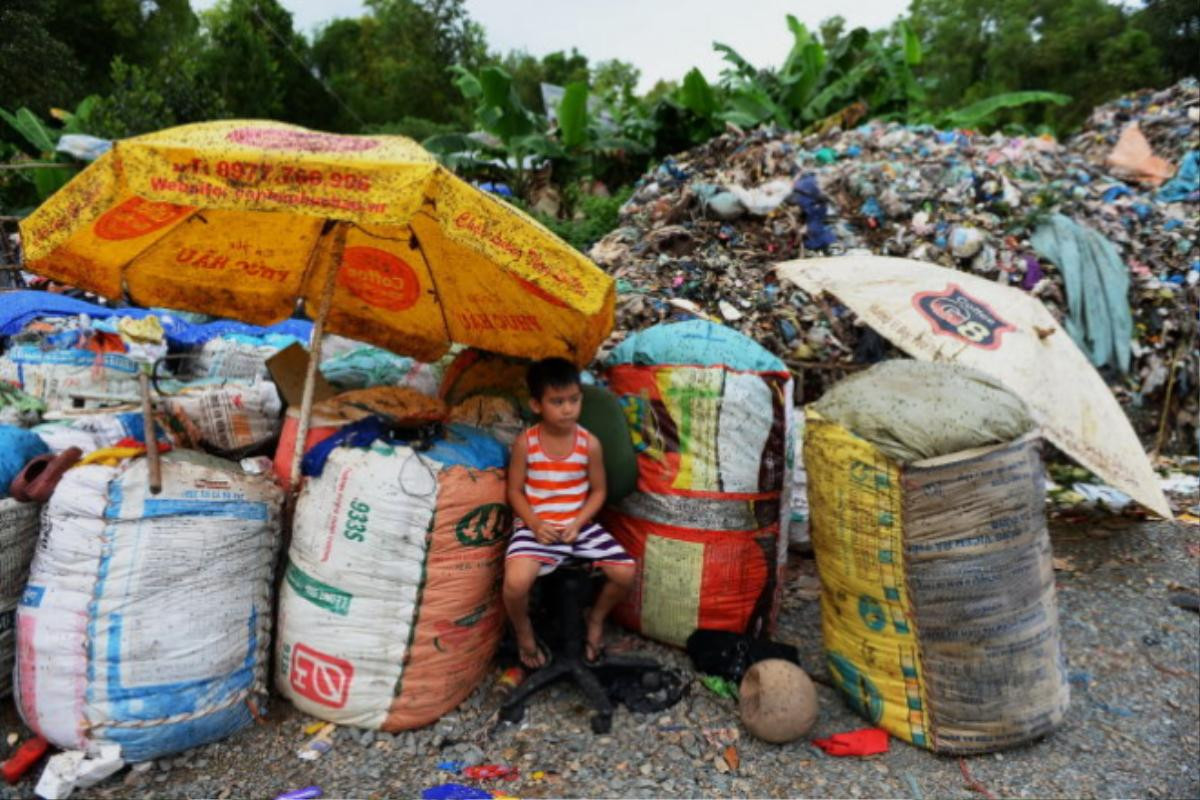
(314, 352)
(150, 434)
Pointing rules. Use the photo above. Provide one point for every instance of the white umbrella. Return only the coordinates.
(939, 314)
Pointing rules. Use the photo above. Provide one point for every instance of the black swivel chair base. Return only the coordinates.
(572, 584)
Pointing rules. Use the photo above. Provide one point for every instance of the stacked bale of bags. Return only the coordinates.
(18, 538)
(928, 523)
(710, 413)
(93, 372)
(146, 619)
(390, 610)
(332, 415)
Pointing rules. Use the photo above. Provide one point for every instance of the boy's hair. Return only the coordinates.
(556, 373)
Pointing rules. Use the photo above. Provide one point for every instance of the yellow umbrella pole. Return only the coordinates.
(314, 354)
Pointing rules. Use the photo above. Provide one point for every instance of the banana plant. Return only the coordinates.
(594, 146)
(51, 170)
(521, 139)
(510, 137)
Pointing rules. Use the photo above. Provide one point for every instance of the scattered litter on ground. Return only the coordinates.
(307, 793)
(455, 791)
(720, 686)
(28, 754)
(320, 744)
(863, 742)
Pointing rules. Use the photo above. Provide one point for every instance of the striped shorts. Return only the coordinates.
(594, 544)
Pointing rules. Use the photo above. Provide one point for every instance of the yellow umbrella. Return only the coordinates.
(243, 218)
(939, 314)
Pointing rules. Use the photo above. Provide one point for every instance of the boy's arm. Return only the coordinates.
(597, 491)
(516, 495)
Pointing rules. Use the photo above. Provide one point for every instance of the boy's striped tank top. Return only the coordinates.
(556, 488)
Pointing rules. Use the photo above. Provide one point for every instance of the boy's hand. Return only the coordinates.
(569, 533)
(544, 532)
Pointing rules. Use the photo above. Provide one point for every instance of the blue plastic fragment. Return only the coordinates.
(1113, 192)
(872, 209)
(501, 189)
(455, 791)
(1103, 706)
(788, 330)
(1185, 186)
(307, 793)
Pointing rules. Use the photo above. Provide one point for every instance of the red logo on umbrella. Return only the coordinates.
(137, 217)
(953, 312)
(286, 139)
(379, 278)
(320, 677)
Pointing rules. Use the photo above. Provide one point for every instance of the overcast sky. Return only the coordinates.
(663, 39)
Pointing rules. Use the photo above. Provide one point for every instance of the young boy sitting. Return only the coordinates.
(556, 486)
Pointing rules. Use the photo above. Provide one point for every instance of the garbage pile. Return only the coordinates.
(701, 232)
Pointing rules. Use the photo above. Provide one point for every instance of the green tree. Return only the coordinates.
(528, 74)
(561, 68)
(1088, 49)
(394, 61)
(1174, 29)
(615, 80)
(97, 31)
(341, 58)
(37, 69)
(260, 66)
(172, 92)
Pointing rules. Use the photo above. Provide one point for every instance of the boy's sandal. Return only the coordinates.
(592, 653)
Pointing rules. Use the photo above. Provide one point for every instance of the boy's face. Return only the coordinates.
(558, 406)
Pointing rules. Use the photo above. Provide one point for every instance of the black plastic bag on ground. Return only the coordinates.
(729, 655)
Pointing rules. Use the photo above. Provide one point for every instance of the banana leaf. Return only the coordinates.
(573, 116)
(803, 69)
(976, 114)
(742, 67)
(696, 95)
(26, 123)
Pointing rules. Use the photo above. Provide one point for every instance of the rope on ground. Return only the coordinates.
(972, 784)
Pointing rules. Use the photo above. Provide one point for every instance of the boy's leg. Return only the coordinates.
(616, 588)
(519, 575)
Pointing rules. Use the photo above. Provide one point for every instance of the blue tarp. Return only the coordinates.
(187, 334)
(18, 309)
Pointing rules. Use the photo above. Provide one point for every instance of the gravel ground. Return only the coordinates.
(1133, 729)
